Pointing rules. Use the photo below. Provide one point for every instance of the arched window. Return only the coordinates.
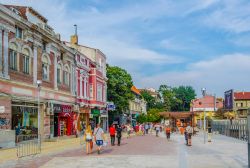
(13, 56)
(59, 73)
(66, 75)
(45, 66)
(26, 61)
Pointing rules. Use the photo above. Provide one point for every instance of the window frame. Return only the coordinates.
(19, 32)
(13, 62)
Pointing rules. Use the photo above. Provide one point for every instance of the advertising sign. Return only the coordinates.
(229, 99)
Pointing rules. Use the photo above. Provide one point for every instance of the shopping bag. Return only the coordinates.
(105, 143)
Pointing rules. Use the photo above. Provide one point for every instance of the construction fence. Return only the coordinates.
(232, 128)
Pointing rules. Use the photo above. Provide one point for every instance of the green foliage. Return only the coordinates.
(119, 85)
(151, 102)
(142, 118)
(177, 98)
(153, 115)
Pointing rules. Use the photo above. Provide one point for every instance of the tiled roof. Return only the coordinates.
(135, 90)
(242, 95)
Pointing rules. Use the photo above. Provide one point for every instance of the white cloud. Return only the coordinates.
(217, 75)
(231, 15)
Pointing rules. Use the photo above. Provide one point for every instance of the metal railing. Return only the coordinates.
(28, 145)
(232, 128)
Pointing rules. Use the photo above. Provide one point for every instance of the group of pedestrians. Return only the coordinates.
(97, 136)
(115, 131)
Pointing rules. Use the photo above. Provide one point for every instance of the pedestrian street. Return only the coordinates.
(150, 151)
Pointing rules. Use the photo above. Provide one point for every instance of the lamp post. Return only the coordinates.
(39, 82)
(203, 90)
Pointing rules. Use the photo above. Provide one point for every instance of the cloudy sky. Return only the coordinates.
(199, 43)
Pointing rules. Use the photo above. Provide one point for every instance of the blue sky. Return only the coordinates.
(199, 43)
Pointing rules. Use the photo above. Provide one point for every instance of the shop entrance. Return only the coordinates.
(56, 125)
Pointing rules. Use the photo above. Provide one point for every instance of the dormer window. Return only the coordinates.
(19, 32)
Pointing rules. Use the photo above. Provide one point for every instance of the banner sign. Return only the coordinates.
(229, 97)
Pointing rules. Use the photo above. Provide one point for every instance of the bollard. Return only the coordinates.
(209, 136)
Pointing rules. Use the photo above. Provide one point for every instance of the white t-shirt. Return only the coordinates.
(98, 133)
(189, 130)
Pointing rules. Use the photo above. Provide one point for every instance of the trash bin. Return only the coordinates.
(209, 136)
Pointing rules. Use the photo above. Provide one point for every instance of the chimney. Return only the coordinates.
(74, 38)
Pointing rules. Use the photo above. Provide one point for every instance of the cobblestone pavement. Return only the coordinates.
(149, 151)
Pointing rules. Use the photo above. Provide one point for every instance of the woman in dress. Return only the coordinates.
(88, 137)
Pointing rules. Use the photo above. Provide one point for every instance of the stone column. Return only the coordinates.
(1, 53)
(85, 88)
(6, 57)
(55, 71)
(35, 65)
(81, 87)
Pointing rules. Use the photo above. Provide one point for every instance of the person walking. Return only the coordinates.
(128, 130)
(189, 131)
(168, 132)
(88, 139)
(119, 134)
(157, 129)
(99, 137)
(112, 134)
(146, 127)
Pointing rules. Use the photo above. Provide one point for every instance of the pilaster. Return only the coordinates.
(5, 53)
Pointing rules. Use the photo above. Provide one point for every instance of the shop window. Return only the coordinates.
(13, 60)
(19, 32)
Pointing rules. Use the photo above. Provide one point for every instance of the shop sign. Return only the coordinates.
(66, 109)
(95, 112)
(2, 109)
(57, 108)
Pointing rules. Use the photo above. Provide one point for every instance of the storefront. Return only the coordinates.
(104, 120)
(94, 117)
(24, 118)
(64, 120)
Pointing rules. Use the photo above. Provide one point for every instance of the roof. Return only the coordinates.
(22, 12)
(242, 95)
(135, 90)
(181, 114)
(149, 91)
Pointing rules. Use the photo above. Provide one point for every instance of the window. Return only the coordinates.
(66, 78)
(13, 60)
(26, 64)
(59, 81)
(44, 46)
(241, 104)
(91, 91)
(99, 92)
(66, 75)
(45, 67)
(19, 33)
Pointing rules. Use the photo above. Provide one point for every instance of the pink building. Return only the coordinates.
(206, 103)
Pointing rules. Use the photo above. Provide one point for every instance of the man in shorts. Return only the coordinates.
(99, 137)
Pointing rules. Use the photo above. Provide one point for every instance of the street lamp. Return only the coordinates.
(38, 82)
(203, 90)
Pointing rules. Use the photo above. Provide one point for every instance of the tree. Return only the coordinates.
(151, 102)
(167, 95)
(119, 85)
(184, 95)
(153, 115)
(142, 118)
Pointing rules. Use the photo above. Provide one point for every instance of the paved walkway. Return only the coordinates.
(149, 151)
